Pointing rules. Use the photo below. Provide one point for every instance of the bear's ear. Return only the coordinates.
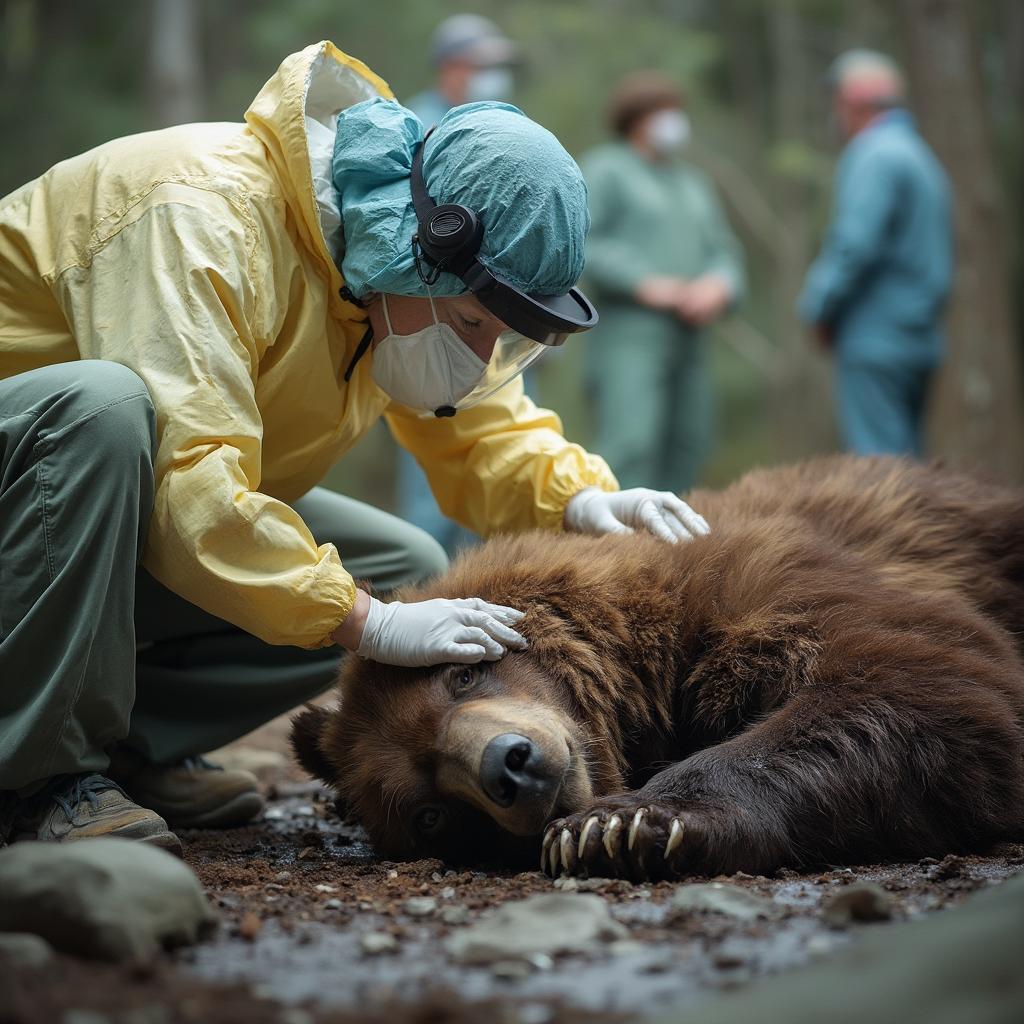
(307, 729)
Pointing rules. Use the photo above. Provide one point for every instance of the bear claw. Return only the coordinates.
(675, 838)
(634, 827)
(588, 827)
(548, 852)
(567, 849)
(611, 835)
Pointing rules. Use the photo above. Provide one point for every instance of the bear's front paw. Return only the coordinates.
(641, 841)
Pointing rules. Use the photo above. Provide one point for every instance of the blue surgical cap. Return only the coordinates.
(491, 157)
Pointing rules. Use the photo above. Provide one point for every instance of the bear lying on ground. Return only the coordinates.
(834, 675)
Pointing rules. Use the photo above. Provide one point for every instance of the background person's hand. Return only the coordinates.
(657, 512)
(703, 299)
(422, 633)
(661, 293)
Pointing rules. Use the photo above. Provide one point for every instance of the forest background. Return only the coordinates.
(75, 73)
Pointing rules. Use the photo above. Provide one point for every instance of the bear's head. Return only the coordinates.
(470, 762)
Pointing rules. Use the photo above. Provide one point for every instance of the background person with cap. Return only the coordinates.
(876, 293)
(472, 61)
(194, 325)
(663, 264)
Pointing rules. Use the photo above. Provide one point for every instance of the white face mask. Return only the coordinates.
(428, 370)
(668, 131)
(489, 84)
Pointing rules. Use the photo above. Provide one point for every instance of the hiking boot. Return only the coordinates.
(191, 794)
(88, 806)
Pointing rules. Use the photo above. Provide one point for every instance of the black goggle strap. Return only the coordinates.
(361, 349)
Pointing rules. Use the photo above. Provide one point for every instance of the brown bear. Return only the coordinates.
(833, 675)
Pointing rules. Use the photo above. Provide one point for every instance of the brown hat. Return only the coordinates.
(640, 94)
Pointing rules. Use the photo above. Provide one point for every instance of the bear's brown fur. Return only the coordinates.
(833, 675)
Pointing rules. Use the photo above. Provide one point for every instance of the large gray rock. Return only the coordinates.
(108, 899)
(545, 924)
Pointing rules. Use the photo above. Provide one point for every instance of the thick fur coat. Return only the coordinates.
(833, 675)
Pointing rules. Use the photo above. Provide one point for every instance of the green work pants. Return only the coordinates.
(651, 397)
(93, 651)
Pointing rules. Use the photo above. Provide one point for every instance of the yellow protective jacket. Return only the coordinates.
(202, 257)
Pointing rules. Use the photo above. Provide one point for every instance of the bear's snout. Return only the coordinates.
(512, 770)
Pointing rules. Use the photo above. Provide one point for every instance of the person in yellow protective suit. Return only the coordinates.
(194, 325)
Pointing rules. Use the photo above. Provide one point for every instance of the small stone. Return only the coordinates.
(857, 902)
(448, 893)
(333, 905)
(566, 884)
(22, 950)
(306, 851)
(455, 915)
(374, 943)
(511, 970)
(283, 876)
(273, 887)
(951, 866)
(548, 923)
(719, 898)
(532, 1013)
(626, 947)
(250, 926)
(820, 945)
(296, 1015)
(304, 811)
(420, 906)
(273, 814)
(392, 873)
(271, 899)
(437, 877)
(325, 888)
(84, 1017)
(541, 962)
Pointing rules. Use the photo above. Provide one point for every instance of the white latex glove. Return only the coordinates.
(423, 633)
(640, 508)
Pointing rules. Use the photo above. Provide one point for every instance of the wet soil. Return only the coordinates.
(316, 929)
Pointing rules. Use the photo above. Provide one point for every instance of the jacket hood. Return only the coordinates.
(295, 117)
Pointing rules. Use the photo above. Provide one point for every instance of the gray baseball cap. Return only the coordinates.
(473, 38)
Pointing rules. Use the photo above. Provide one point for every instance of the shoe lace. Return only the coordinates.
(68, 791)
(199, 763)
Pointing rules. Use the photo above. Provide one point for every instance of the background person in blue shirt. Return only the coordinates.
(875, 295)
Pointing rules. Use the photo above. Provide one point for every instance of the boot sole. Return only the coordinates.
(166, 841)
(239, 810)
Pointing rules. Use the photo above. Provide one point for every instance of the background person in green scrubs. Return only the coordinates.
(664, 264)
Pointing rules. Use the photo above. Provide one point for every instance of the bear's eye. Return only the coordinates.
(429, 820)
(465, 680)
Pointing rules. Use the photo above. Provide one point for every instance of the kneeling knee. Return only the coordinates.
(426, 557)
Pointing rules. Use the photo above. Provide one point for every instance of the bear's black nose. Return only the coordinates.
(510, 766)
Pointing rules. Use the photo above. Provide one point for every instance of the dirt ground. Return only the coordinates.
(316, 929)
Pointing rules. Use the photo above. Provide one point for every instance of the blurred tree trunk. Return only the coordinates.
(176, 88)
(977, 411)
(801, 407)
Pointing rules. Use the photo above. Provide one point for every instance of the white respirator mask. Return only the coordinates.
(489, 84)
(431, 370)
(668, 131)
